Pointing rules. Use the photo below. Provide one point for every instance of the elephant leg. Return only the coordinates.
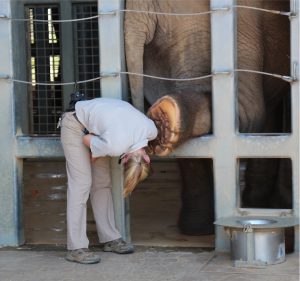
(197, 210)
(179, 117)
(282, 196)
(269, 181)
(268, 184)
(260, 179)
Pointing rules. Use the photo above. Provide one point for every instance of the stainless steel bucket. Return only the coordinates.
(257, 246)
(257, 241)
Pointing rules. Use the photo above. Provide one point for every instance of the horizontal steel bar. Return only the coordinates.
(245, 146)
(38, 147)
(203, 147)
(280, 146)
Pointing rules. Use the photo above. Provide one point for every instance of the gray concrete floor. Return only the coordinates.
(145, 264)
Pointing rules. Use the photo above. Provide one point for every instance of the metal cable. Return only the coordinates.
(115, 12)
(167, 79)
(289, 14)
(51, 84)
(171, 14)
(282, 77)
(56, 21)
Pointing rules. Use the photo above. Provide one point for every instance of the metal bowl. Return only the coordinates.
(256, 221)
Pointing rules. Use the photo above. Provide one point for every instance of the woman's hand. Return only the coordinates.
(87, 140)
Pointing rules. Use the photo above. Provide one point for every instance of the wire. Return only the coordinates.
(52, 84)
(282, 77)
(289, 14)
(170, 14)
(168, 79)
(35, 20)
(51, 20)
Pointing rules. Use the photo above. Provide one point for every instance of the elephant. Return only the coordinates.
(180, 47)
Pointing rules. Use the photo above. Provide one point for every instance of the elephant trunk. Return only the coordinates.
(136, 66)
(139, 31)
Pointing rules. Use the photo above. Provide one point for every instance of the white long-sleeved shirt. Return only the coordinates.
(118, 126)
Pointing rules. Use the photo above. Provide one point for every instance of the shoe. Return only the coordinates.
(84, 256)
(118, 246)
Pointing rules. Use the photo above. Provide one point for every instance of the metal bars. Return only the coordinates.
(236, 145)
(226, 146)
(295, 89)
(9, 204)
(223, 34)
(44, 63)
(86, 48)
(112, 60)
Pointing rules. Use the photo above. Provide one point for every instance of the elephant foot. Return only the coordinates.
(197, 206)
(196, 223)
(165, 113)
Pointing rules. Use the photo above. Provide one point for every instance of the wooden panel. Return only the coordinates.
(44, 203)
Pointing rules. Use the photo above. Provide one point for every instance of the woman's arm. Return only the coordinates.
(87, 142)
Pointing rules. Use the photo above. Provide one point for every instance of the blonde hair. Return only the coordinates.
(136, 169)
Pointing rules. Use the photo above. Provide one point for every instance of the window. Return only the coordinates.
(44, 65)
(45, 61)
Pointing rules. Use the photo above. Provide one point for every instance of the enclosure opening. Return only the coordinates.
(49, 57)
(263, 101)
(265, 183)
(156, 208)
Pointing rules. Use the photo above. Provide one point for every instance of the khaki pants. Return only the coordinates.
(86, 179)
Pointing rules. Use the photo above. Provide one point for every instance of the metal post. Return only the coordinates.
(111, 60)
(67, 55)
(223, 60)
(9, 205)
(295, 90)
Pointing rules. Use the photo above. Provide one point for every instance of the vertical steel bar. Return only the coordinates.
(111, 55)
(295, 90)
(224, 59)
(67, 53)
(9, 203)
(110, 47)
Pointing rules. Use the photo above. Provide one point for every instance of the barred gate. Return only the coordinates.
(226, 147)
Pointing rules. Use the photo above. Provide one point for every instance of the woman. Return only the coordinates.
(91, 132)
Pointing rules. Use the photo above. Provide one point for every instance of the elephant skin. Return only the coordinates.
(179, 47)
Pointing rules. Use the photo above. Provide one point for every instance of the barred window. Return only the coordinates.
(45, 61)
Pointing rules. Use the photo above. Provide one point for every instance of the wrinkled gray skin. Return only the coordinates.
(178, 47)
